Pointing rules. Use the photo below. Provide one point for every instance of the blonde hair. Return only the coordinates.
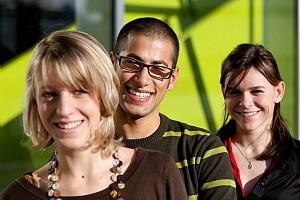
(79, 61)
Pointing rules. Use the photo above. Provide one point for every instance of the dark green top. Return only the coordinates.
(200, 155)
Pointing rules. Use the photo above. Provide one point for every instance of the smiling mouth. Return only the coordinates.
(69, 125)
(248, 114)
(140, 95)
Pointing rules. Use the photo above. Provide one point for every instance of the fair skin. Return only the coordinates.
(69, 116)
(251, 105)
(140, 94)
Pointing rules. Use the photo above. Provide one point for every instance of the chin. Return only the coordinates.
(250, 128)
(137, 114)
(72, 145)
(136, 111)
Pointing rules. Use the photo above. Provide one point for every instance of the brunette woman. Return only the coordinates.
(265, 158)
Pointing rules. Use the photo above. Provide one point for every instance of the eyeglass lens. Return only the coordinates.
(133, 65)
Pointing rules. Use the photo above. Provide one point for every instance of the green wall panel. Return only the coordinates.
(208, 31)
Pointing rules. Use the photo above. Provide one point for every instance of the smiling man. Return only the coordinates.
(145, 58)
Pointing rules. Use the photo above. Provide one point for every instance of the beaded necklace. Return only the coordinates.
(117, 186)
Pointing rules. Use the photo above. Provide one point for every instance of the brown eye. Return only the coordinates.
(130, 64)
(80, 92)
(48, 95)
(257, 92)
(161, 71)
(232, 92)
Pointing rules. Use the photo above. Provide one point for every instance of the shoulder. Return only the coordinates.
(174, 124)
(293, 155)
(15, 190)
(155, 156)
(296, 144)
(294, 148)
(9, 189)
(156, 160)
(178, 128)
(191, 135)
(188, 130)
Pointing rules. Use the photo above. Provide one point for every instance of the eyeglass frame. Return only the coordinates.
(142, 64)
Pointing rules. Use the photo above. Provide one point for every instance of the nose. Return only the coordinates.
(246, 100)
(65, 105)
(143, 77)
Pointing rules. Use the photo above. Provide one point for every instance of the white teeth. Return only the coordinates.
(141, 95)
(70, 125)
(248, 114)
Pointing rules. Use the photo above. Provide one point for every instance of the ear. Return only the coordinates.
(279, 90)
(112, 57)
(223, 91)
(173, 79)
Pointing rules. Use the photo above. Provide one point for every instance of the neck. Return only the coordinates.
(136, 127)
(81, 163)
(80, 175)
(254, 143)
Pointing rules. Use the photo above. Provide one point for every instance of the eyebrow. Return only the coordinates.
(155, 62)
(258, 87)
(251, 88)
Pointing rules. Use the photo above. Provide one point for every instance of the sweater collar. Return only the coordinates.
(153, 138)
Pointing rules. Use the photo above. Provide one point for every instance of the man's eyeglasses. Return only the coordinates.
(157, 71)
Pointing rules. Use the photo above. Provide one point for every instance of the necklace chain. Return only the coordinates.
(250, 164)
(117, 186)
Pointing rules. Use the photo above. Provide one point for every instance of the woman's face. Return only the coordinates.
(252, 103)
(68, 115)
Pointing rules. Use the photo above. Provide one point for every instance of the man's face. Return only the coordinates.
(141, 94)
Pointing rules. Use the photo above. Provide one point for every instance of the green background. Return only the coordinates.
(208, 31)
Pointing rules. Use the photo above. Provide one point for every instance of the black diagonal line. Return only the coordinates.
(200, 84)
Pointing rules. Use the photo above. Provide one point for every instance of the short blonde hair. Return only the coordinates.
(79, 61)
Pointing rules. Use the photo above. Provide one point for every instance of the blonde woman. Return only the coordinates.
(72, 95)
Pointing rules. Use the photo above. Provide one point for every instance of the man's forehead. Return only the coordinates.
(142, 44)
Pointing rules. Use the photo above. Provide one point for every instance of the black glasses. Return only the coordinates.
(157, 71)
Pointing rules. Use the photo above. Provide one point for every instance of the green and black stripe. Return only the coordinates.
(199, 155)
